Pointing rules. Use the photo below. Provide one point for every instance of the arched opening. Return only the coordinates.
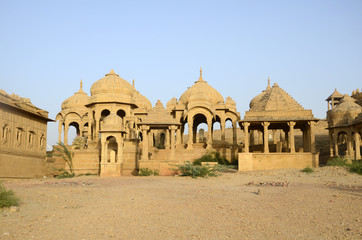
(201, 133)
(184, 132)
(105, 113)
(198, 119)
(161, 142)
(73, 131)
(217, 131)
(228, 130)
(121, 113)
(342, 143)
(112, 150)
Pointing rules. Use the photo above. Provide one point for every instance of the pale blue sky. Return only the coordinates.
(307, 47)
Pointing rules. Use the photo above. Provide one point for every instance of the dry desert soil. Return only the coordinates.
(278, 204)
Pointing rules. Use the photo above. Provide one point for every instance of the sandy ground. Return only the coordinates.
(322, 205)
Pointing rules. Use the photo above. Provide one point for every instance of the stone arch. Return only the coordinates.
(112, 149)
(104, 113)
(342, 139)
(216, 125)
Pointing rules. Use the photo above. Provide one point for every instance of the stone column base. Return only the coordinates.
(110, 170)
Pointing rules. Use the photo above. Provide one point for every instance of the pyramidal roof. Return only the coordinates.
(276, 99)
(335, 94)
(275, 104)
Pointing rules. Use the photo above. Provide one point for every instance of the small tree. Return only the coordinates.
(66, 155)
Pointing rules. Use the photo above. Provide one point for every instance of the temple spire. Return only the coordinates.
(133, 82)
(268, 87)
(81, 84)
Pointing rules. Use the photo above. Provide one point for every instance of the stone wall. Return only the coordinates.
(261, 161)
(22, 143)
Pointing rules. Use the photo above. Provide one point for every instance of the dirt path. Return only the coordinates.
(322, 205)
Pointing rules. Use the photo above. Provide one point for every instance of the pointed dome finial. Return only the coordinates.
(268, 81)
(81, 84)
(112, 72)
(133, 82)
(200, 78)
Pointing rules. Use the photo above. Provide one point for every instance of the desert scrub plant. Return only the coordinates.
(79, 143)
(7, 197)
(66, 155)
(307, 170)
(64, 174)
(211, 157)
(340, 162)
(148, 172)
(356, 167)
(194, 171)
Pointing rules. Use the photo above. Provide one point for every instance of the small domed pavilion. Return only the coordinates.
(344, 124)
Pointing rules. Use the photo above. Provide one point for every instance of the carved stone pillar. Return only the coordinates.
(312, 136)
(89, 125)
(151, 138)
(191, 133)
(145, 142)
(235, 135)
(173, 145)
(330, 144)
(66, 128)
(349, 144)
(209, 133)
(357, 146)
(178, 136)
(274, 136)
(167, 144)
(291, 136)
(266, 136)
(246, 136)
(335, 140)
(60, 129)
(222, 125)
(96, 134)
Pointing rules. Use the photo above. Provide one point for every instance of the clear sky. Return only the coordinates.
(308, 47)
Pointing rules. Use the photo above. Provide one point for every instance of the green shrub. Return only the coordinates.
(148, 172)
(65, 154)
(341, 162)
(356, 167)
(156, 172)
(7, 198)
(307, 170)
(211, 157)
(65, 174)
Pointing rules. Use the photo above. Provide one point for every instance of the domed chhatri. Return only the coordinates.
(344, 118)
(123, 129)
(203, 90)
(111, 88)
(77, 101)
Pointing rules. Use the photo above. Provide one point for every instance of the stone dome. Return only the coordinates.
(346, 111)
(141, 101)
(77, 101)
(230, 103)
(201, 88)
(112, 123)
(112, 88)
(258, 97)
